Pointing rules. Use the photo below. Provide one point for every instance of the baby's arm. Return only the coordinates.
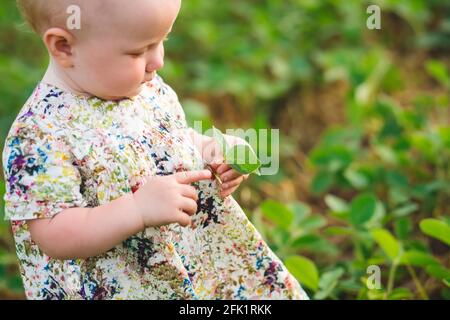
(86, 232)
(43, 189)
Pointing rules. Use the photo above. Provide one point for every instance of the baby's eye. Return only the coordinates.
(141, 53)
(136, 54)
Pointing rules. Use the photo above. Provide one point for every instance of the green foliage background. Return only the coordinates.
(364, 121)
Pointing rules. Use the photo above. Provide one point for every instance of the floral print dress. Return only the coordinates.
(66, 150)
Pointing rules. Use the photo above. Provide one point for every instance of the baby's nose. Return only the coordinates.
(155, 65)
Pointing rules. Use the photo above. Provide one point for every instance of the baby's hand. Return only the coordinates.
(230, 179)
(168, 199)
(211, 152)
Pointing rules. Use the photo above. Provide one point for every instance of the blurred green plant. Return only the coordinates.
(384, 173)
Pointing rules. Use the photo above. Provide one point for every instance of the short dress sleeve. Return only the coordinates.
(40, 178)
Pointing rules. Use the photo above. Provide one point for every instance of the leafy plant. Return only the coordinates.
(240, 157)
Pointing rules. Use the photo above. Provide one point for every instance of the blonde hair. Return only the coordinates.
(35, 13)
(44, 14)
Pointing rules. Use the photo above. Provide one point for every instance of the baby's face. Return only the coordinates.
(124, 47)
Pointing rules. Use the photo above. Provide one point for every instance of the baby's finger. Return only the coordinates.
(230, 175)
(232, 183)
(188, 206)
(187, 177)
(226, 193)
(189, 191)
(183, 219)
(222, 168)
(216, 164)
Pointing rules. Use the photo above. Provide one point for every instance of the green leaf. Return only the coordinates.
(396, 179)
(362, 208)
(243, 159)
(312, 223)
(400, 293)
(278, 213)
(438, 70)
(301, 211)
(418, 258)
(305, 241)
(438, 272)
(387, 242)
(328, 281)
(220, 139)
(322, 181)
(314, 244)
(331, 158)
(336, 204)
(240, 157)
(436, 229)
(446, 282)
(405, 210)
(403, 227)
(377, 218)
(304, 270)
(339, 231)
(355, 178)
(386, 154)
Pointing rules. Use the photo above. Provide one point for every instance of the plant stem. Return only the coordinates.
(391, 279)
(417, 282)
(214, 174)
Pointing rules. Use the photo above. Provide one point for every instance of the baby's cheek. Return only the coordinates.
(133, 74)
(125, 79)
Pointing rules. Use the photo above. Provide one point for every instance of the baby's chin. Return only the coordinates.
(135, 92)
(131, 94)
(138, 90)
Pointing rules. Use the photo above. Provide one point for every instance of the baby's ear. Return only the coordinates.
(59, 44)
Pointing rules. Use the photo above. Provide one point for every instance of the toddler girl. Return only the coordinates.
(107, 190)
